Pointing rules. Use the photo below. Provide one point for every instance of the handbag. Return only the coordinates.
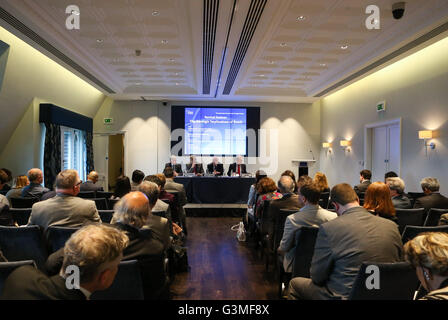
(241, 232)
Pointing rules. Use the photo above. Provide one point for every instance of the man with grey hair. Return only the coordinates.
(66, 209)
(432, 198)
(237, 167)
(399, 199)
(95, 249)
(35, 188)
(177, 167)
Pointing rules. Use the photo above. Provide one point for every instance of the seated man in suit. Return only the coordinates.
(90, 184)
(137, 178)
(237, 167)
(170, 185)
(342, 245)
(160, 205)
(215, 167)
(432, 197)
(95, 249)
(35, 188)
(177, 167)
(194, 167)
(310, 215)
(4, 179)
(364, 179)
(66, 209)
(399, 200)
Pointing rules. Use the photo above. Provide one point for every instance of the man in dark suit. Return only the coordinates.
(215, 167)
(90, 184)
(96, 250)
(396, 186)
(177, 167)
(364, 179)
(342, 245)
(237, 167)
(432, 197)
(194, 167)
(35, 188)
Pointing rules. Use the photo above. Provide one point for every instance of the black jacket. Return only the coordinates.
(434, 200)
(219, 169)
(177, 167)
(362, 187)
(90, 186)
(234, 168)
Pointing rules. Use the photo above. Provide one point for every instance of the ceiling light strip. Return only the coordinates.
(210, 20)
(250, 24)
(411, 45)
(19, 26)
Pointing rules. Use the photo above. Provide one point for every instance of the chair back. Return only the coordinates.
(265, 222)
(21, 202)
(433, 217)
(24, 243)
(396, 281)
(6, 268)
(410, 232)
(101, 203)
(58, 236)
(323, 200)
(20, 215)
(86, 194)
(104, 194)
(409, 217)
(111, 203)
(414, 196)
(305, 239)
(127, 284)
(106, 215)
(279, 226)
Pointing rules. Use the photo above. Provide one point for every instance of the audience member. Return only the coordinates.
(90, 184)
(215, 167)
(177, 167)
(310, 215)
(320, 179)
(20, 182)
(399, 200)
(137, 179)
(432, 198)
(159, 225)
(364, 179)
(160, 205)
(377, 201)
(66, 209)
(4, 179)
(170, 185)
(35, 188)
(163, 194)
(428, 253)
(303, 180)
(237, 167)
(194, 167)
(95, 249)
(390, 174)
(293, 177)
(122, 187)
(259, 174)
(267, 190)
(342, 245)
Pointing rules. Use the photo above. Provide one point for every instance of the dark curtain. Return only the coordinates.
(52, 154)
(89, 151)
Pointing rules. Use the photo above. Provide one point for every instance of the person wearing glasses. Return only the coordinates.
(66, 209)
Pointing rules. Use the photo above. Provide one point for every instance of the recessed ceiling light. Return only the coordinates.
(164, 41)
(283, 44)
(300, 18)
(344, 47)
(99, 40)
(155, 13)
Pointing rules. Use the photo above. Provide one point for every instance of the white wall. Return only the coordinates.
(415, 89)
(147, 126)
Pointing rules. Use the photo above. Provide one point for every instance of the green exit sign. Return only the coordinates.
(108, 121)
(381, 106)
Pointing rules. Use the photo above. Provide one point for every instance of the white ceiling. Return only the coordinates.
(288, 60)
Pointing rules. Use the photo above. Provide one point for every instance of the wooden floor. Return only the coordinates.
(221, 267)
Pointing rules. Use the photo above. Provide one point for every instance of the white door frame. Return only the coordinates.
(125, 143)
(368, 133)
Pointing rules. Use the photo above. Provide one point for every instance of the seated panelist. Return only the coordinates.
(215, 167)
(194, 167)
(177, 167)
(237, 167)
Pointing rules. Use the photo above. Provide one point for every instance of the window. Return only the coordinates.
(73, 151)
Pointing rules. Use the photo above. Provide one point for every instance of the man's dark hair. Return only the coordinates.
(390, 174)
(311, 192)
(155, 179)
(343, 193)
(138, 176)
(168, 172)
(8, 173)
(3, 176)
(366, 174)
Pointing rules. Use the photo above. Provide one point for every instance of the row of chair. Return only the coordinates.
(101, 203)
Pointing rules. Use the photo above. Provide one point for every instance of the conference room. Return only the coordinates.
(263, 150)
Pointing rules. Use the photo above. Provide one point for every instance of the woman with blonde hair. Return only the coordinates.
(19, 183)
(377, 200)
(320, 179)
(428, 253)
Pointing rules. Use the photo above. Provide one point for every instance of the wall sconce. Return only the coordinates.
(345, 144)
(426, 135)
(327, 145)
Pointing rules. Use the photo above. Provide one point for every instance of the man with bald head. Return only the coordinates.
(35, 188)
(90, 184)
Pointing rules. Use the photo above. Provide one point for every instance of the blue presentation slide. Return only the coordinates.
(218, 131)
